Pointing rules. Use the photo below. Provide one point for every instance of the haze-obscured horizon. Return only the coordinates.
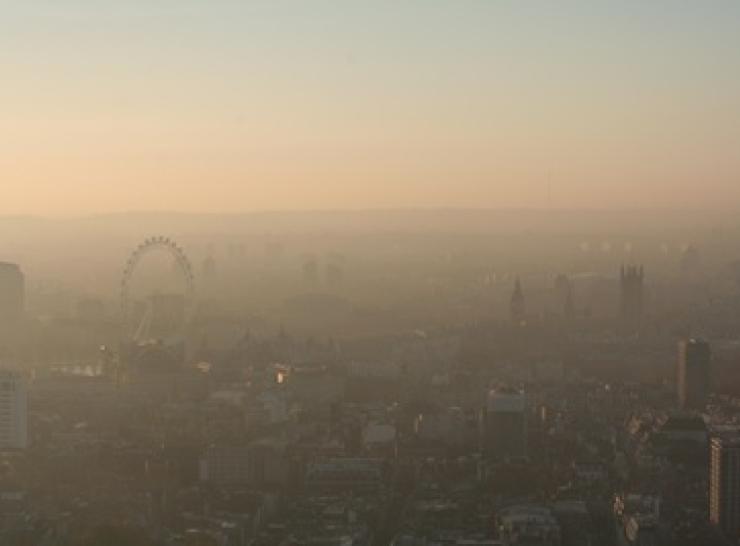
(234, 107)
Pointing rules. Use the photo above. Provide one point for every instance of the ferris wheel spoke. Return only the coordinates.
(154, 244)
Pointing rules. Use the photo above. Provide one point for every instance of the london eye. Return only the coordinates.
(137, 327)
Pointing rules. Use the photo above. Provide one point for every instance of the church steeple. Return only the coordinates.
(517, 309)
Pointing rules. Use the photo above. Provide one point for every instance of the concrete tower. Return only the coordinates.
(692, 377)
(11, 293)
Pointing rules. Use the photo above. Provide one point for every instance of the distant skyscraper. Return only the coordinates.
(724, 484)
(632, 281)
(505, 424)
(693, 374)
(564, 289)
(12, 290)
(13, 411)
(517, 309)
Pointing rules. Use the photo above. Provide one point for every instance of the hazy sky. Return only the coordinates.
(208, 105)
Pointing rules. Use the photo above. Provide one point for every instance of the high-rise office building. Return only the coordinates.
(693, 377)
(505, 424)
(724, 484)
(12, 289)
(13, 411)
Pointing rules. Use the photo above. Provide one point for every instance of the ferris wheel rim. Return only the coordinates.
(148, 245)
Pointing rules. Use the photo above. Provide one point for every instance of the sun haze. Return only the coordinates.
(229, 106)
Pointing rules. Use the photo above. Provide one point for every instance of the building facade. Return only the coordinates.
(693, 374)
(505, 424)
(13, 411)
(724, 484)
(12, 293)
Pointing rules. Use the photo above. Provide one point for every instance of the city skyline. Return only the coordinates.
(343, 273)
